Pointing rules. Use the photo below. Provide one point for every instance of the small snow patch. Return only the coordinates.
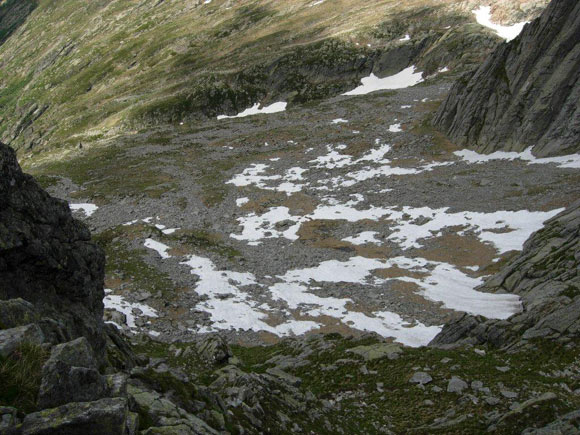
(404, 79)
(159, 247)
(86, 208)
(257, 110)
(129, 309)
(483, 17)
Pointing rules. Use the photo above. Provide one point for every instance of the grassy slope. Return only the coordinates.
(382, 396)
(107, 65)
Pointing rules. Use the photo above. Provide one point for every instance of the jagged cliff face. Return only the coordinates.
(526, 94)
(47, 259)
(546, 276)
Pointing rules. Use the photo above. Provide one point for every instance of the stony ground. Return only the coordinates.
(346, 216)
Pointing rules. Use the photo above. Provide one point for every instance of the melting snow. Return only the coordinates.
(231, 308)
(568, 161)
(446, 284)
(505, 230)
(395, 128)
(118, 303)
(339, 121)
(256, 110)
(483, 17)
(86, 208)
(159, 247)
(253, 176)
(404, 79)
(242, 201)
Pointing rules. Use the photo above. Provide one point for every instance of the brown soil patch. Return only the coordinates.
(430, 106)
(459, 250)
(318, 233)
(373, 251)
(300, 204)
(358, 147)
(176, 313)
(362, 308)
(410, 292)
(262, 204)
(179, 251)
(397, 272)
(113, 282)
(406, 162)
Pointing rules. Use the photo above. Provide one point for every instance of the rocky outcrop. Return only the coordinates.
(51, 316)
(526, 93)
(546, 276)
(47, 260)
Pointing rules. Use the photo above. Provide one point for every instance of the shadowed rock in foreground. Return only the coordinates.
(527, 93)
(47, 259)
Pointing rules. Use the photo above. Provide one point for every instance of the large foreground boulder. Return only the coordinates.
(105, 416)
(47, 260)
(527, 93)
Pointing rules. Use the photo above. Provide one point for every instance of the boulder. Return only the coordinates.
(70, 375)
(456, 385)
(214, 349)
(378, 351)
(47, 258)
(11, 339)
(105, 416)
(16, 312)
(420, 378)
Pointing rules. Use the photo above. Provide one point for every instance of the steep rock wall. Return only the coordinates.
(527, 93)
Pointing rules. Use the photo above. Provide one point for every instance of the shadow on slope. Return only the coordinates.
(13, 14)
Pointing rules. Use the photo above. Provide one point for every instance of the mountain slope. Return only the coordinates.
(77, 71)
(526, 94)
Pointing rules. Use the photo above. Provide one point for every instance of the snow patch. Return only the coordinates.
(86, 208)
(231, 308)
(129, 309)
(159, 247)
(571, 161)
(404, 79)
(483, 17)
(257, 110)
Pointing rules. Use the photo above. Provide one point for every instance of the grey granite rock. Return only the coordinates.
(105, 416)
(526, 93)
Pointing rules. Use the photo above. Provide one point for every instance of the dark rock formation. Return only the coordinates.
(527, 93)
(48, 260)
(546, 276)
(13, 14)
(71, 375)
